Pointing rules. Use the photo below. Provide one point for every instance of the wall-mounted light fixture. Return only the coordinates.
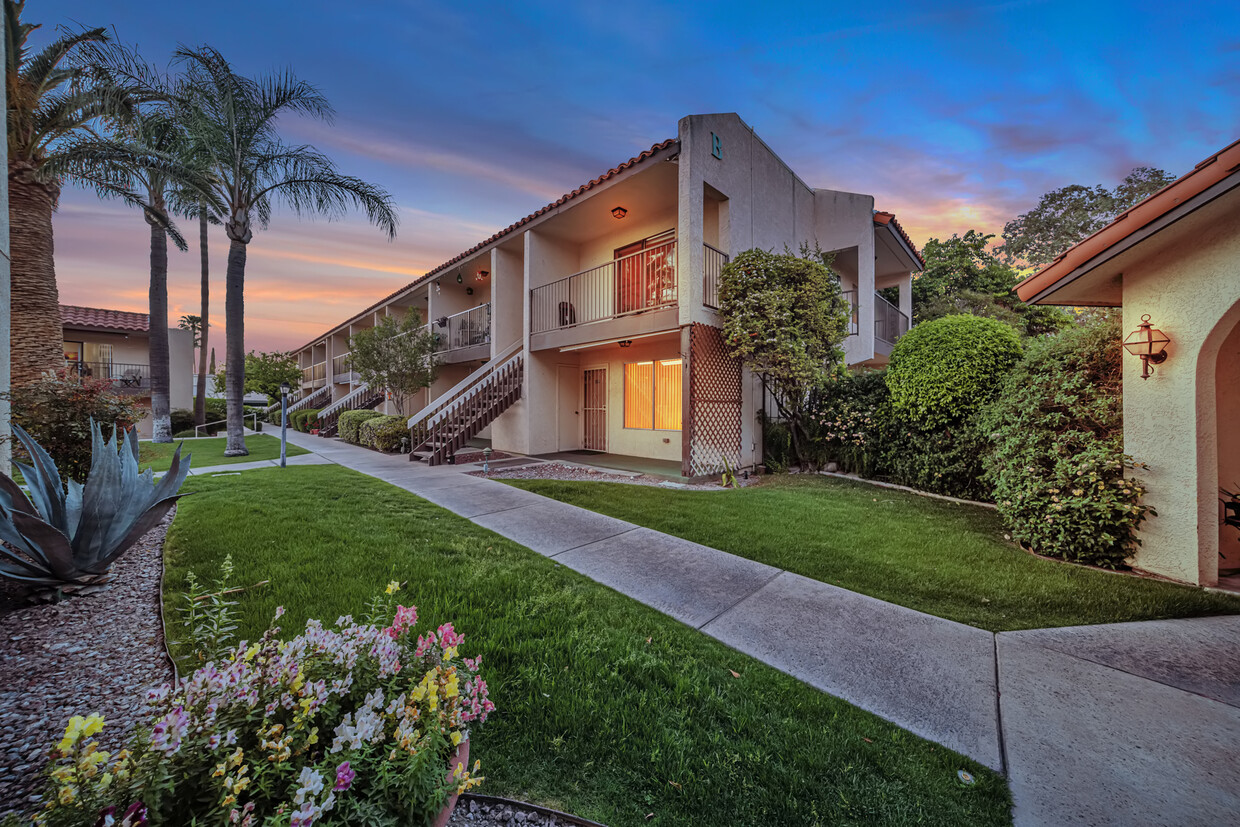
(619, 212)
(469, 291)
(459, 278)
(626, 343)
(1149, 344)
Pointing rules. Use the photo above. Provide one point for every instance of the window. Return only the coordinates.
(652, 395)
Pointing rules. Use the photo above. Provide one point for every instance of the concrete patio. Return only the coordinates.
(1135, 723)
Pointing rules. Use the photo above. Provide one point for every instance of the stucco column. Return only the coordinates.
(865, 291)
(906, 297)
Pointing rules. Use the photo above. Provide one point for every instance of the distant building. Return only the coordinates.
(115, 345)
(592, 324)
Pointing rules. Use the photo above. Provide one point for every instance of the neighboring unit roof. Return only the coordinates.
(1202, 177)
(889, 219)
(94, 317)
(561, 201)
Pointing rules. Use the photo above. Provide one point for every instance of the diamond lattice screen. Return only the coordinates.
(715, 385)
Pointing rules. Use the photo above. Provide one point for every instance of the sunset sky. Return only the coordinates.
(954, 115)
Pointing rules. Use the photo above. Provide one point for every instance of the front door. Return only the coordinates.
(594, 410)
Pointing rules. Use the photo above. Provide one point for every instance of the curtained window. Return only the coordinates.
(652, 394)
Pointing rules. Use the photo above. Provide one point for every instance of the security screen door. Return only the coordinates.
(594, 407)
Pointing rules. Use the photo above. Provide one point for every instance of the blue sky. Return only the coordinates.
(954, 115)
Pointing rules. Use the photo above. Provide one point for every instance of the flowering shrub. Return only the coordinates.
(57, 408)
(352, 724)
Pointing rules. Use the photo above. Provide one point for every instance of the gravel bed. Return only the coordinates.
(466, 457)
(577, 473)
(99, 653)
(490, 813)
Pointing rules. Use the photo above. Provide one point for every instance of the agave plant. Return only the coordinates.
(69, 538)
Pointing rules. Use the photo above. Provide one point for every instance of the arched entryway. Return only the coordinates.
(1227, 421)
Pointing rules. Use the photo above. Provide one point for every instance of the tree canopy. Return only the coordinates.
(1069, 214)
(264, 373)
(396, 355)
(785, 318)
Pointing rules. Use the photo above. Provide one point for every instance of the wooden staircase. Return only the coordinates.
(361, 398)
(440, 430)
(315, 397)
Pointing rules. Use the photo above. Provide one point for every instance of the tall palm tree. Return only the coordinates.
(50, 101)
(148, 162)
(236, 120)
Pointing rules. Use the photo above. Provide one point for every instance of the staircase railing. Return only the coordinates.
(270, 409)
(311, 399)
(442, 425)
(363, 397)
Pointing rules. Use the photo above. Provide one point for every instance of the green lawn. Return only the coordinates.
(606, 708)
(209, 452)
(937, 557)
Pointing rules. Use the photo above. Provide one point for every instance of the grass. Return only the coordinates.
(606, 708)
(209, 452)
(937, 557)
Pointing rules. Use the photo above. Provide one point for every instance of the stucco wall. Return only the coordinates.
(1187, 279)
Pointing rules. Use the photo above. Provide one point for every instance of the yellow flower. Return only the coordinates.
(393, 587)
(105, 781)
(68, 794)
(456, 739)
(251, 652)
(236, 758)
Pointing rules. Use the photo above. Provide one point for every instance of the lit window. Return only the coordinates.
(652, 395)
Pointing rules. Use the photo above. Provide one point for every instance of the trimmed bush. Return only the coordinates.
(384, 433)
(1058, 464)
(305, 419)
(182, 420)
(350, 423)
(185, 434)
(943, 371)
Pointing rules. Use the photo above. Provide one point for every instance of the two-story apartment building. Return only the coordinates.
(592, 324)
(115, 345)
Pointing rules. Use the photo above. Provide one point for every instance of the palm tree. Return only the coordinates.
(50, 101)
(235, 118)
(147, 162)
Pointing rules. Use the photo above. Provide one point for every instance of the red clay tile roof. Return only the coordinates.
(94, 317)
(1206, 174)
(563, 199)
(885, 218)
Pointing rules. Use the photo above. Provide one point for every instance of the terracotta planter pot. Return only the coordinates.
(459, 756)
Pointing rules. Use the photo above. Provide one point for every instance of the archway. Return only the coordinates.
(1227, 421)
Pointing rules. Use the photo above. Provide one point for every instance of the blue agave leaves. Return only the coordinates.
(66, 533)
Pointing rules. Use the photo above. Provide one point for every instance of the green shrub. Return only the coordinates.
(1057, 465)
(846, 421)
(946, 459)
(350, 423)
(56, 409)
(190, 434)
(305, 419)
(384, 433)
(943, 371)
(182, 420)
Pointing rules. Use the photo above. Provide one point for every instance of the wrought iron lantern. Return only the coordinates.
(1149, 344)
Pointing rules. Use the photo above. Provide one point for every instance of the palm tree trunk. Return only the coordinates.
(200, 393)
(161, 430)
(234, 347)
(37, 338)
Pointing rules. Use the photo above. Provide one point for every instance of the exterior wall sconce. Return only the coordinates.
(619, 212)
(1149, 344)
(469, 291)
(626, 343)
(459, 278)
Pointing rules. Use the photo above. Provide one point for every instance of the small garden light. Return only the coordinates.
(486, 460)
(1149, 344)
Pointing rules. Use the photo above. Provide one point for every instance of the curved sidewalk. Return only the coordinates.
(1133, 723)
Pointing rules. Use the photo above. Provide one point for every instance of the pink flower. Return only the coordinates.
(344, 777)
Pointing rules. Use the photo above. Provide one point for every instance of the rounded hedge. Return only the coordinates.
(943, 371)
(1058, 465)
(350, 423)
(384, 433)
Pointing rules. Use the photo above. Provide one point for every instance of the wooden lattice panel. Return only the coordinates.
(715, 403)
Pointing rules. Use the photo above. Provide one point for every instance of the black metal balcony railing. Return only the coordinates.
(889, 323)
(124, 376)
(635, 283)
(712, 268)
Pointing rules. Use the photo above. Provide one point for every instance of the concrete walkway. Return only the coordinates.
(1135, 723)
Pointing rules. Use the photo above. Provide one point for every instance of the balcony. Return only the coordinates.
(713, 261)
(889, 323)
(314, 376)
(469, 330)
(125, 377)
(636, 283)
(342, 373)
